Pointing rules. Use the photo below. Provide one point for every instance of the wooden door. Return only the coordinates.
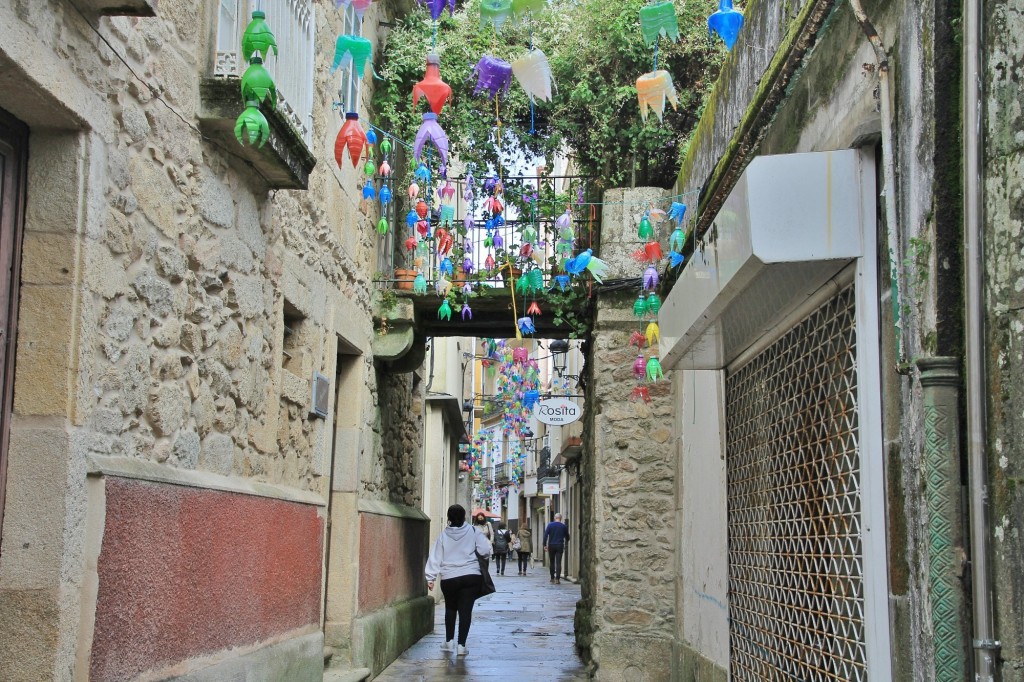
(13, 148)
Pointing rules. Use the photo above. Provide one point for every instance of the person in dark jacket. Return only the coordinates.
(502, 545)
(555, 536)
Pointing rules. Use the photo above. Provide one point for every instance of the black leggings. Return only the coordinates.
(459, 595)
(524, 561)
(499, 562)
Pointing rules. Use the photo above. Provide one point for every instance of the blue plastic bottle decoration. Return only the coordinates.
(726, 22)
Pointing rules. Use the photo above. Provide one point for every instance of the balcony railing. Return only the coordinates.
(501, 473)
(292, 22)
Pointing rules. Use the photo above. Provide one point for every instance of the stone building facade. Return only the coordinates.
(831, 467)
(173, 506)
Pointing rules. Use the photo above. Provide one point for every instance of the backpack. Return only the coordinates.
(501, 541)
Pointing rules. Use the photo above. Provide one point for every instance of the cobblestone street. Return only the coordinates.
(522, 632)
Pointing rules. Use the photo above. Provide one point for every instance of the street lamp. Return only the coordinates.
(560, 358)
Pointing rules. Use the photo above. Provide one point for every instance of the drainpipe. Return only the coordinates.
(986, 646)
(889, 172)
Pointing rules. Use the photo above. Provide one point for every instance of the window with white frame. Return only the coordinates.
(292, 22)
(349, 82)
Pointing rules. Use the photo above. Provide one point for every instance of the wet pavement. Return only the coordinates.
(521, 633)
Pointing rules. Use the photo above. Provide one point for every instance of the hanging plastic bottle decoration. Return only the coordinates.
(258, 38)
(645, 231)
(369, 192)
(675, 259)
(444, 241)
(411, 218)
(447, 214)
(352, 50)
(385, 195)
(640, 307)
(445, 311)
(467, 313)
(659, 20)
(563, 281)
(493, 75)
(653, 334)
(726, 22)
(436, 7)
(520, 355)
(360, 7)
(652, 250)
(639, 367)
(652, 89)
(534, 73)
(435, 90)
(654, 371)
(257, 85)
(350, 137)
(494, 12)
(653, 303)
(382, 226)
(442, 286)
(419, 285)
(650, 278)
(586, 261)
(413, 191)
(431, 131)
(534, 309)
(522, 8)
(446, 267)
(640, 393)
(637, 339)
(525, 325)
(252, 125)
(410, 243)
(677, 240)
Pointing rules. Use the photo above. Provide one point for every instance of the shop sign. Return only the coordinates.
(551, 488)
(557, 411)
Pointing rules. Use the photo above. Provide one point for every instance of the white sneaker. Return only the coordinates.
(462, 651)
(448, 646)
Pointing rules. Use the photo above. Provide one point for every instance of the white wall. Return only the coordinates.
(702, 605)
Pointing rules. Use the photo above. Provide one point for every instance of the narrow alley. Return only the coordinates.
(522, 632)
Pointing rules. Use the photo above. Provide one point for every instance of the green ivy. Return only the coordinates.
(596, 54)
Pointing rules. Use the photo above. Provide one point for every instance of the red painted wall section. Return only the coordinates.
(392, 555)
(185, 572)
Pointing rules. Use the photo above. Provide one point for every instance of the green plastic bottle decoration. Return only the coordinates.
(654, 370)
(640, 307)
(257, 83)
(369, 168)
(252, 126)
(382, 226)
(445, 311)
(494, 12)
(419, 285)
(645, 231)
(258, 38)
(653, 303)
(385, 146)
(659, 20)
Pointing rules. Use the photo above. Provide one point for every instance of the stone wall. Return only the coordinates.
(396, 474)
(1004, 270)
(174, 308)
(626, 618)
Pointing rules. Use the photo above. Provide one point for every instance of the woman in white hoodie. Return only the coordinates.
(453, 561)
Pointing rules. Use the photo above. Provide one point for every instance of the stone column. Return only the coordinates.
(940, 383)
(626, 618)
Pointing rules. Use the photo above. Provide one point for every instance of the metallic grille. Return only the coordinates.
(796, 593)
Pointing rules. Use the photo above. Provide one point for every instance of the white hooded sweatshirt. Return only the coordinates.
(454, 553)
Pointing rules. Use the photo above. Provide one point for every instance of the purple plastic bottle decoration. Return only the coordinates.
(726, 22)
(499, 241)
(430, 130)
(467, 265)
(467, 222)
(436, 7)
(490, 183)
(650, 277)
(468, 194)
(492, 74)
(467, 289)
(564, 220)
(467, 314)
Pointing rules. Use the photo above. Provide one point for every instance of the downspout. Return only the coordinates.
(986, 646)
(889, 179)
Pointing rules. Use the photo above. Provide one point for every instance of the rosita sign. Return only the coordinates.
(557, 411)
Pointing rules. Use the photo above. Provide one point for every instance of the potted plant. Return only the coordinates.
(404, 278)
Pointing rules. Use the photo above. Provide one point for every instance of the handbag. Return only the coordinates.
(516, 545)
(486, 582)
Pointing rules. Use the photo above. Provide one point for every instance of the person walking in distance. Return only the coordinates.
(480, 523)
(453, 560)
(502, 545)
(525, 539)
(555, 536)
